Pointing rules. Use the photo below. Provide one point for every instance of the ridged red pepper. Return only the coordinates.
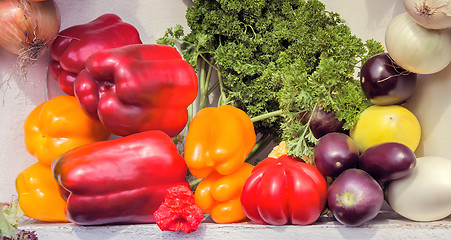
(284, 191)
(122, 180)
(75, 44)
(137, 88)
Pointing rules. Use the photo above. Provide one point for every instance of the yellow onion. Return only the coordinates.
(431, 14)
(27, 28)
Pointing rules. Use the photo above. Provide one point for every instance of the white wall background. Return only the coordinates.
(367, 19)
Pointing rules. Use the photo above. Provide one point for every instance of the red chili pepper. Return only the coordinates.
(75, 44)
(137, 88)
(179, 212)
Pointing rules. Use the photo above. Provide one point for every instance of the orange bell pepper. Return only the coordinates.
(218, 139)
(220, 195)
(58, 125)
(39, 195)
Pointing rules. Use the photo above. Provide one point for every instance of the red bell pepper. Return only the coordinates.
(75, 44)
(137, 88)
(123, 180)
(283, 190)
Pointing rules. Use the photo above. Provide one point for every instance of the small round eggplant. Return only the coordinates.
(385, 83)
(354, 197)
(334, 153)
(322, 122)
(387, 161)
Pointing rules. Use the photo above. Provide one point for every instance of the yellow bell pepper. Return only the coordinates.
(39, 195)
(218, 139)
(220, 196)
(58, 125)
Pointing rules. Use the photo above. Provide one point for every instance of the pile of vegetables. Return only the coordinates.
(285, 71)
(277, 61)
(377, 158)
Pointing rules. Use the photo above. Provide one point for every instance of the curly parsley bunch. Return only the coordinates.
(275, 60)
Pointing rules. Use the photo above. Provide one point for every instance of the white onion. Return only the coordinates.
(415, 48)
(432, 14)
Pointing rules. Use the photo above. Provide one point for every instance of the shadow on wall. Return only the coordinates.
(376, 13)
(188, 3)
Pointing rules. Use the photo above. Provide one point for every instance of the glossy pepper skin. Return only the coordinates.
(39, 196)
(219, 195)
(123, 180)
(218, 139)
(58, 125)
(137, 88)
(74, 45)
(284, 191)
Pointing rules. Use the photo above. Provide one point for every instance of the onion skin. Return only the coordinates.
(415, 48)
(431, 14)
(28, 27)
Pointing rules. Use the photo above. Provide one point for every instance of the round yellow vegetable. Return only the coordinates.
(379, 124)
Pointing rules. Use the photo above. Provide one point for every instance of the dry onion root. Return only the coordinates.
(27, 28)
(431, 14)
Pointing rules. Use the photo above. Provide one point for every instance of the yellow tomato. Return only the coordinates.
(379, 124)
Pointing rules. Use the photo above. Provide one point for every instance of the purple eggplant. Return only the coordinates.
(387, 161)
(385, 83)
(334, 153)
(322, 122)
(354, 198)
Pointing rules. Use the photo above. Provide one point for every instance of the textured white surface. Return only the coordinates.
(387, 225)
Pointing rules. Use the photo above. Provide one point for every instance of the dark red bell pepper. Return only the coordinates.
(122, 180)
(75, 44)
(137, 88)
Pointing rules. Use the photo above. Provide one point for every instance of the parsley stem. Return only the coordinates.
(204, 82)
(213, 87)
(308, 123)
(267, 115)
(261, 144)
(222, 97)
